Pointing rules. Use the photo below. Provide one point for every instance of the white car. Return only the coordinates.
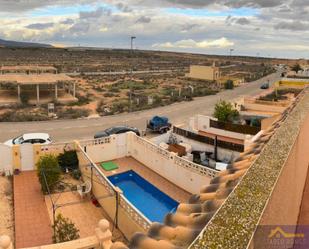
(30, 138)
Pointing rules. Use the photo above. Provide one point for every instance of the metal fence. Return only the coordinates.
(208, 140)
(243, 129)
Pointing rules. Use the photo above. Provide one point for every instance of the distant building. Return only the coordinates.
(38, 84)
(204, 72)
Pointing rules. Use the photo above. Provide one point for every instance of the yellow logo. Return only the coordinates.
(279, 233)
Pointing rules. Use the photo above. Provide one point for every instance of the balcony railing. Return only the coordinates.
(208, 140)
(243, 129)
(131, 211)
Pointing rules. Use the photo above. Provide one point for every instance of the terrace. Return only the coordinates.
(240, 134)
(167, 180)
(162, 171)
(70, 206)
(211, 147)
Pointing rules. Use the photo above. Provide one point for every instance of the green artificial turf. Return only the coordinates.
(108, 166)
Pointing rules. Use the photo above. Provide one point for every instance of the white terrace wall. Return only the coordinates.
(185, 174)
(106, 149)
(6, 159)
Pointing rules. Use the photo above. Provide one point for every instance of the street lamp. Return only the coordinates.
(130, 94)
(132, 40)
(231, 51)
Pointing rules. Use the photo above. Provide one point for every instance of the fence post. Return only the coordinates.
(103, 234)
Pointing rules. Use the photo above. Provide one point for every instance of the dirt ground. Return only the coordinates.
(6, 207)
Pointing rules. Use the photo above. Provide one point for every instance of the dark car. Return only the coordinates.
(265, 86)
(116, 130)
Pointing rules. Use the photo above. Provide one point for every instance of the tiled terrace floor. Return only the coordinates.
(32, 224)
(82, 213)
(129, 163)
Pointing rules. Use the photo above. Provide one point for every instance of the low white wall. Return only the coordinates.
(202, 123)
(186, 175)
(161, 138)
(106, 149)
(6, 159)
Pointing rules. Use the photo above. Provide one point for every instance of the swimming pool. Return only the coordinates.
(148, 199)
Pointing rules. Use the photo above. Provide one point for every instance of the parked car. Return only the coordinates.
(30, 138)
(116, 130)
(265, 86)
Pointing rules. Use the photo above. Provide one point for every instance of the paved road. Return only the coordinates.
(128, 72)
(179, 113)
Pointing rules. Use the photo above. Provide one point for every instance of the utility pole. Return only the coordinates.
(130, 95)
(231, 51)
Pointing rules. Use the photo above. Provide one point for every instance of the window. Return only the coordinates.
(122, 131)
(29, 141)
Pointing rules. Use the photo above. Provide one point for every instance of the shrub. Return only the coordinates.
(229, 84)
(157, 100)
(114, 89)
(24, 98)
(297, 68)
(108, 94)
(48, 166)
(68, 160)
(71, 113)
(82, 100)
(13, 116)
(76, 174)
(225, 112)
(255, 122)
(64, 230)
(120, 106)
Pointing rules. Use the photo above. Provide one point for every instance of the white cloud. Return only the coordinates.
(190, 43)
(269, 26)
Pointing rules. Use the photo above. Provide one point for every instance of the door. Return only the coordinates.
(26, 157)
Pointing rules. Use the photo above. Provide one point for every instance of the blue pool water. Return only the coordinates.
(148, 199)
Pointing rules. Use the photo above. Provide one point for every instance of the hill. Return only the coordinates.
(6, 43)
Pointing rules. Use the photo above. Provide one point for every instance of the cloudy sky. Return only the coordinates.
(277, 28)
